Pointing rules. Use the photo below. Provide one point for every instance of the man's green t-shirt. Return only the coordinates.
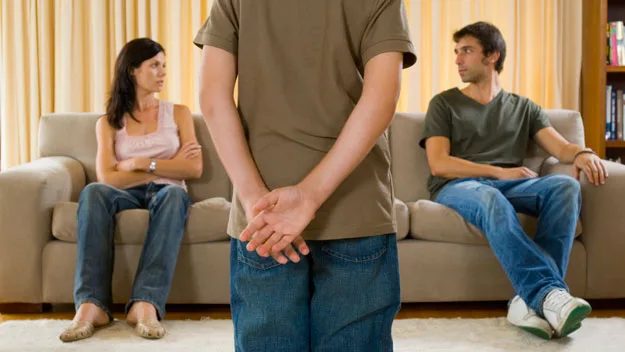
(496, 134)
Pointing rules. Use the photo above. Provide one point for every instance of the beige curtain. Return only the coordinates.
(58, 55)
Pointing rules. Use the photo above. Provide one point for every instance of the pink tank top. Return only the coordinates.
(162, 144)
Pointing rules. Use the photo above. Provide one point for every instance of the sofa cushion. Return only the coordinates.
(435, 222)
(207, 222)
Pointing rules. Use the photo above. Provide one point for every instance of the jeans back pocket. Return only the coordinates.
(358, 250)
(253, 259)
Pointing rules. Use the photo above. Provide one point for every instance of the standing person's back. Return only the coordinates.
(301, 67)
(313, 107)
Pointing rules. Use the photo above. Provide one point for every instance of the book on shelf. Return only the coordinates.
(614, 114)
(616, 43)
(619, 115)
(608, 113)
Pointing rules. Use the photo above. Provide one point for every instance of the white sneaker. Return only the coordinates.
(564, 312)
(524, 317)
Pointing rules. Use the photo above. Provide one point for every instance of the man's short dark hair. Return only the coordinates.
(489, 37)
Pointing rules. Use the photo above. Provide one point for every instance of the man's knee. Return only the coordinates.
(565, 186)
(475, 201)
(483, 196)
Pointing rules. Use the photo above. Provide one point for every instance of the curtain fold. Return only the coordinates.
(58, 55)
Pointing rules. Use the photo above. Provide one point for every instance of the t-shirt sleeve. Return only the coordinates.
(387, 31)
(437, 121)
(538, 119)
(221, 29)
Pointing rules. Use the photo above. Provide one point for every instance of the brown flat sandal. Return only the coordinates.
(78, 330)
(150, 329)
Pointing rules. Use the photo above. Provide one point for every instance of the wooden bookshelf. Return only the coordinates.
(615, 69)
(596, 74)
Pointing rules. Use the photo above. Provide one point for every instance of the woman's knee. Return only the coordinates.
(94, 191)
(174, 195)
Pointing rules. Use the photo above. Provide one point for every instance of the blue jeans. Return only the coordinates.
(168, 206)
(343, 296)
(533, 267)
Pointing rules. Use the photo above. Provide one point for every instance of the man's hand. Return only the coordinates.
(593, 168)
(251, 212)
(282, 216)
(515, 173)
(189, 150)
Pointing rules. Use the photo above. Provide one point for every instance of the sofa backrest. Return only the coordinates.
(73, 135)
(409, 164)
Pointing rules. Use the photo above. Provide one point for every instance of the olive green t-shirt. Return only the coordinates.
(497, 133)
(300, 70)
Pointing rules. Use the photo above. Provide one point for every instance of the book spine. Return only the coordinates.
(613, 116)
(619, 115)
(608, 111)
(613, 44)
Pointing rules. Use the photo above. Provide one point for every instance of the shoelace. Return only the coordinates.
(557, 299)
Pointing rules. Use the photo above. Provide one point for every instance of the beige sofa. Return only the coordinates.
(442, 258)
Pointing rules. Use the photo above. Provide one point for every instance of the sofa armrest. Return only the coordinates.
(603, 230)
(28, 194)
(553, 166)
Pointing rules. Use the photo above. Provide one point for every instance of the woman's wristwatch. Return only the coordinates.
(153, 165)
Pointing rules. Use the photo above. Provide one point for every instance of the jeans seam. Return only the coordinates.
(522, 195)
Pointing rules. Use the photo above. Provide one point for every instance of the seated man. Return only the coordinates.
(476, 139)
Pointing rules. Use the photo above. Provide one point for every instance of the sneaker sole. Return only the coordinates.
(537, 332)
(574, 320)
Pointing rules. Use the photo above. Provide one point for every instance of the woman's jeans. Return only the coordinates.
(99, 203)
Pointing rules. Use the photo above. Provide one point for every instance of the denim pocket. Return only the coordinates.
(253, 259)
(357, 250)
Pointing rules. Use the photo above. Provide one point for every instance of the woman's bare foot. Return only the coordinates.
(91, 313)
(141, 311)
(143, 316)
(87, 318)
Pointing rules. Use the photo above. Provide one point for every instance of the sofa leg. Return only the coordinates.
(21, 308)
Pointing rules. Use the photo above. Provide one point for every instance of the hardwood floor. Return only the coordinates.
(601, 308)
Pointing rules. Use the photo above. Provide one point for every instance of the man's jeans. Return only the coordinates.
(534, 267)
(343, 296)
(168, 206)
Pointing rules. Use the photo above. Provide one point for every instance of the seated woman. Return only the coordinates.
(146, 149)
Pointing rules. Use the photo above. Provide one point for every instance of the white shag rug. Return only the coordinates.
(493, 334)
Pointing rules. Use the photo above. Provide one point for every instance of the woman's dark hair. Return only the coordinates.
(123, 95)
(489, 37)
